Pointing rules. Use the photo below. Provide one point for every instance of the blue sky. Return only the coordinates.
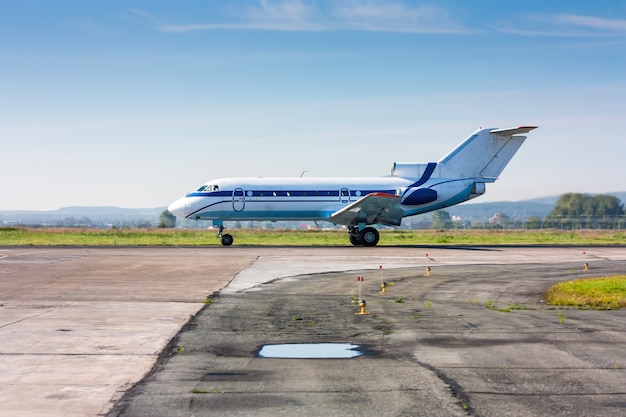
(135, 103)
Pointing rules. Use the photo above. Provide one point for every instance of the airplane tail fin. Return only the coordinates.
(484, 154)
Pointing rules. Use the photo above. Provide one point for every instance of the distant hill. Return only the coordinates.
(519, 210)
(553, 199)
(99, 216)
(105, 216)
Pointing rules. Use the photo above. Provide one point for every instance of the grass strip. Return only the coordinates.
(24, 236)
(603, 293)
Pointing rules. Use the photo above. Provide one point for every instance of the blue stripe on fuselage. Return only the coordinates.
(209, 205)
(269, 215)
(289, 193)
(428, 172)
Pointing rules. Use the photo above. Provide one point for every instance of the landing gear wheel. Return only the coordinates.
(354, 239)
(369, 236)
(227, 240)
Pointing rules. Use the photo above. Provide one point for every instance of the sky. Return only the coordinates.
(135, 103)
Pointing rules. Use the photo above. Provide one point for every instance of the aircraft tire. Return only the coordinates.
(369, 236)
(227, 240)
(354, 239)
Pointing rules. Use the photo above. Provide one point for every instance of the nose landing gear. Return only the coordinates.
(225, 238)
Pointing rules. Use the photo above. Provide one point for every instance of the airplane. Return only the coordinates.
(359, 202)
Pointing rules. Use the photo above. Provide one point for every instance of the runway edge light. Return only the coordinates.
(362, 304)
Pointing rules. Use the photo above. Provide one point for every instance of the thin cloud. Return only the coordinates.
(394, 17)
(566, 25)
(285, 15)
(300, 16)
(596, 23)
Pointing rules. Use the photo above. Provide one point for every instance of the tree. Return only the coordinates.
(584, 210)
(608, 205)
(534, 222)
(500, 219)
(167, 220)
(442, 220)
(585, 205)
(569, 205)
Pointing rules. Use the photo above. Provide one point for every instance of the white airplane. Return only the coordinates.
(358, 203)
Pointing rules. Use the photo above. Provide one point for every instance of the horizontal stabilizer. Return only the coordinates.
(512, 130)
(374, 208)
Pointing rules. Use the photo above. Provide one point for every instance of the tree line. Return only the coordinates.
(571, 211)
(574, 210)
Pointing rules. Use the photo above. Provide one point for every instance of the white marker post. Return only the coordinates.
(360, 279)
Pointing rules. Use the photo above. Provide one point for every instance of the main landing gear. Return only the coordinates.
(226, 238)
(368, 236)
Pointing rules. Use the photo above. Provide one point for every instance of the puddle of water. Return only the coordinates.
(311, 351)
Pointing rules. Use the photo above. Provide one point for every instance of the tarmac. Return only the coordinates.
(130, 332)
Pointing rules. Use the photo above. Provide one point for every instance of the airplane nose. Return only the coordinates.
(178, 207)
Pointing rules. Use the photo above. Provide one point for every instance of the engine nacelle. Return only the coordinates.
(478, 189)
(418, 196)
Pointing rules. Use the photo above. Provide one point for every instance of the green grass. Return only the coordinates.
(204, 391)
(597, 293)
(17, 236)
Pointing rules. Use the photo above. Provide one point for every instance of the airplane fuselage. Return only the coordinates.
(277, 199)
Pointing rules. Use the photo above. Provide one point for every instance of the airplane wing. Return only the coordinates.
(380, 208)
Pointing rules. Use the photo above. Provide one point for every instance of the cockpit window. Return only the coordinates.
(208, 188)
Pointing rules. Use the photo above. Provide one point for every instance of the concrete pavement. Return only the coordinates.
(80, 326)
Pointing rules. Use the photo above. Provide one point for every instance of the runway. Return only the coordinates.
(80, 327)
